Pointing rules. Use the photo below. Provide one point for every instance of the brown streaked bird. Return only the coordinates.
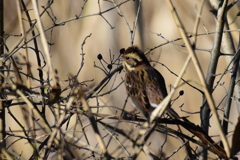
(144, 84)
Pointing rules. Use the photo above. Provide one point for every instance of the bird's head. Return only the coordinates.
(133, 58)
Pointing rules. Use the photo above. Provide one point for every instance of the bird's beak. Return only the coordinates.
(120, 58)
(121, 53)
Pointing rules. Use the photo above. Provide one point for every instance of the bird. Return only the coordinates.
(144, 84)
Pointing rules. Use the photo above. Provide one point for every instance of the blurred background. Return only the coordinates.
(109, 32)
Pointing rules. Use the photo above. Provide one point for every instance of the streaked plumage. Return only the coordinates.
(144, 84)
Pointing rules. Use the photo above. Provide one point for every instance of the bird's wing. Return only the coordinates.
(162, 86)
(158, 78)
(155, 87)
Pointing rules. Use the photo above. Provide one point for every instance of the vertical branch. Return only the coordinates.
(21, 26)
(135, 23)
(40, 72)
(43, 38)
(228, 43)
(140, 24)
(195, 29)
(2, 104)
(230, 91)
(215, 54)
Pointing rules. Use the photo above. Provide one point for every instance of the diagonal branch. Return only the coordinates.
(200, 72)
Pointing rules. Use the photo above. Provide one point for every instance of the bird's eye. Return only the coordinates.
(127, 58)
